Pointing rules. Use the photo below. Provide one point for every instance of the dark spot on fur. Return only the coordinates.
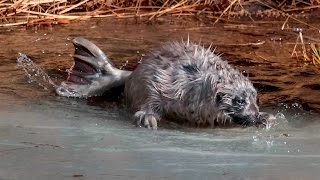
(165, 66)
(219, 97)
(218, 67)
(191, 68)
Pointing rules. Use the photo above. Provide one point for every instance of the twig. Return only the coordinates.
(159, 10)
(72, 7)
(231, 4)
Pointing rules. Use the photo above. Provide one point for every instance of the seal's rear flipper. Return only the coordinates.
(92, 73)
(88, 60)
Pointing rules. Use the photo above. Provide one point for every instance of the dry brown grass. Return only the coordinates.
(38, 12)
(18, 12)
(315, 54)
(308, 52)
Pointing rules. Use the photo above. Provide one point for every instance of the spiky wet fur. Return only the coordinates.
(185, 81)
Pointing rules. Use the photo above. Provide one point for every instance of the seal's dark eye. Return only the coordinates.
(241, 101)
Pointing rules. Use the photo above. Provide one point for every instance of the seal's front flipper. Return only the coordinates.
(92, 73)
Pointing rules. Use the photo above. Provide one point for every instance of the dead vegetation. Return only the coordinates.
(51, 12)
(39, 12)
(309, 53)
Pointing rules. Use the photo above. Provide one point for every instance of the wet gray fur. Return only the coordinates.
(185, 81)
(181, 81)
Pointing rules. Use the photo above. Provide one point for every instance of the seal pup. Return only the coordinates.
(180, 81)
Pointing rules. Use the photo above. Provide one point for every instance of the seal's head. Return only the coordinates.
(239, 104)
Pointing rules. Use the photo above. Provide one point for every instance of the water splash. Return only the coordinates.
(35, 73)
(276, 127)
(65, 90)
(279, 121)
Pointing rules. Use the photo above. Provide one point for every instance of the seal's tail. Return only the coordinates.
(92, 72)
(88, 60)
